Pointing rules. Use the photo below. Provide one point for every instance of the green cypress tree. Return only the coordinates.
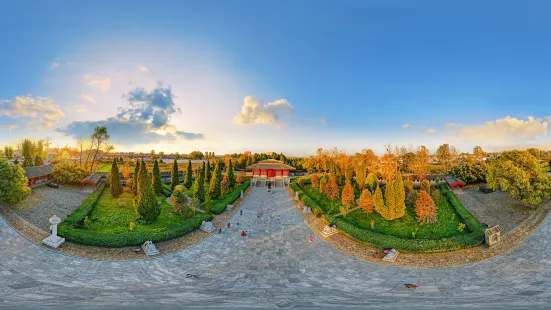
(231, 176)
(146, 203)
(204, 168)
(38, 160)
(215, 183)
(175, 180)
(390, 200)
(136, 175)
(189, 174)
(115, 184)
(157, 184)
(209, 173)
(199, 186)
(399, 196)
(380, 205)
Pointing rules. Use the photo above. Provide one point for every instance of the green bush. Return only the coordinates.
(219, 205)
(470, 220)
(114, 240)
(306, 200)
(77, 218)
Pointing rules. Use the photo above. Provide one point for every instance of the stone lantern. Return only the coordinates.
(54, 240)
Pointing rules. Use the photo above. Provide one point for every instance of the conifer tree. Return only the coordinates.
(366, 201)
(115, 184)
(204, 168)
(146, 204)
(315, 181)
(380, 205)
(156, 178)
(189, 174)
(225, 185)
(323, 186)
(361, 175)
(231, 176)
(199, 187)
(175, 175)
(136, 175)
(399, 197)
(208, 176)
(390, 200)
(425, 185)
(372, 182)
(215, 183)
(425, 208)
(348, 195)
(38, 160)
(332, 189)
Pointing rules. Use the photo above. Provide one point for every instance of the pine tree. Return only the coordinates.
(348, 195)
(126, 171)
(146, 204)
(38, 160)
(323, 186)
(209, 173)
(332, 189)
(175, 177)
(199, 187)
(115, 184)
(380, 205)
(399, 197)
(136, 176)
(156, 179)
(425, 208)
(225, 185)
(315, 181)
(189, 174)
(215, 183)
(204, 169)
(366, 201)
(231, 176)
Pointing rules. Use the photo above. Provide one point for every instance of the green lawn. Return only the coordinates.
(114, 215)
(446, 226)
(105, 167)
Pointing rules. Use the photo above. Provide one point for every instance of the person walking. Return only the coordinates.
(240, 212)
(228, 225)
(311, 238)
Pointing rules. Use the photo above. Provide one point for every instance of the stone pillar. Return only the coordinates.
(54, 240)
(296, 196)
(242, 194)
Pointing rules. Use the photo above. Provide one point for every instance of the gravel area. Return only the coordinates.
(497, 208)
(44, 202)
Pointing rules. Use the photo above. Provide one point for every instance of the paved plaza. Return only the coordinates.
(273, 266)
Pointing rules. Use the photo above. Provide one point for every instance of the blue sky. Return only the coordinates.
(285, 76)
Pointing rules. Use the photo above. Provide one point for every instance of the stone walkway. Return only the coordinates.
(274, 266)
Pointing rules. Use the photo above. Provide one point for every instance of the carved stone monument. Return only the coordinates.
(229, 207)
(391, 256)
(207, 226)
(54, 240)
(242, 196)
(149, 248)
(329, 230)
(296, 196)
(306, 209)
(492, 235)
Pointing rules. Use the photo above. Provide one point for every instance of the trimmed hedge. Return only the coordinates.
(76, 219)
(219, 205)
(475, 238)
(113, 240)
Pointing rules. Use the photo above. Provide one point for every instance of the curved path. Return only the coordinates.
(274, 266)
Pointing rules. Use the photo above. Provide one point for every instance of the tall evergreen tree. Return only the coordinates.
(380, 205)
(399, 196)
(231, 176)
(199, 186)
(38, 160)
(390, 200)
(115, 184)
(215, 183)
(136, 175)
(208, 176)
(189, 174)
(157, 184)
(175, 178)
(146, 204)
(204, 168)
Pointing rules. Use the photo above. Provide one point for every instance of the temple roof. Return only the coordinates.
(270, 164)
(37, 171)
(92, 178)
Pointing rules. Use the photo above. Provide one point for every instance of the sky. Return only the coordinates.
(284, 76)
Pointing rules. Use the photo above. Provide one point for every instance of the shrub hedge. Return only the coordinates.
(113, 240)
(77, 217)
(219, 205)
(475, 238)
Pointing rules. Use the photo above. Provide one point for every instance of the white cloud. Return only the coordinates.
(42, 111)
(80, 108)
(8, 127)
(102, 83)
(87, 98)
(505, 131)
(254, 112)
(70, 63)
(55, 65)
(407, 126)
(451, 125)
(430, 131)
(143, 68)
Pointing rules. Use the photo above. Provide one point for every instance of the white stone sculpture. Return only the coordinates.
(207, 226)
(149, 248)
(54, 240)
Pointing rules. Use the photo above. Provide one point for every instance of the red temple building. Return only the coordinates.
(453, 182)
(270, 170)
(38, 174)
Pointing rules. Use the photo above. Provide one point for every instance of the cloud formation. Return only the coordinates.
(101, 83)
(41, 112)
(87, 98)
(145, 120)
(508, 130)
(407, 126)
(54, 65)
(254, 112)
(451, 125)
(143, 68)
(430, 131)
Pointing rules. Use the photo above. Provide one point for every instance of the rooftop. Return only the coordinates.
(270, 164)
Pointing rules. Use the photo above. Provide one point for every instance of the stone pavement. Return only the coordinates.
(273, 266)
